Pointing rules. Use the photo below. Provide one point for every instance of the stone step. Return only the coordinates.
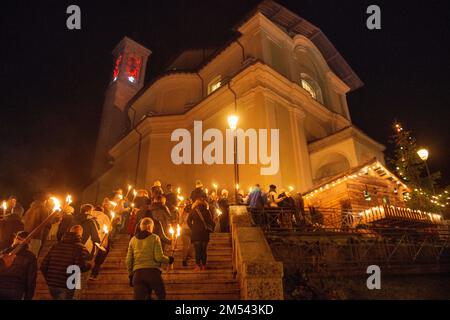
(184, 289)
(109, 276)
(169, 296)
(178, 258)
(213, 265)
(202, 285)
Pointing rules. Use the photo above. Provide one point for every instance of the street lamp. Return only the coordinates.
(423, 155)
(232, 123)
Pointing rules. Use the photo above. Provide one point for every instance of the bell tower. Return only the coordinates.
(130, 62)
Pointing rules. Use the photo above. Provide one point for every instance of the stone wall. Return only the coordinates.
(259, 274)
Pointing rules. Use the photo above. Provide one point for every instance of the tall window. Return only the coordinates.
(308, 87)
(215, 84)
(311, 86)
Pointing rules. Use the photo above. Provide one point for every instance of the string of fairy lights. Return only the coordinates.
(362, 172)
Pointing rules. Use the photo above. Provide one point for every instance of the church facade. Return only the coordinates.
(279, 72)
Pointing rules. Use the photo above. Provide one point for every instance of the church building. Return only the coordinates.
(279, 72)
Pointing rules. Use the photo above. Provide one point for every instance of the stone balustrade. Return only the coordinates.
(259, 275)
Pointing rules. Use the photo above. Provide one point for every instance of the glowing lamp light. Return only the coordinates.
(291, 188)
(69, 199)
(250, 189)
(423, 154)
(56, 204)
(233, 121)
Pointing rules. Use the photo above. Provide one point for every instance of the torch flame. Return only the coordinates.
(178, 190)
(171, 231)
(206, 190)
(178, 230)
(291, 188)
(219, 212)
(181, 198)
(68, 199)
(105, 229)
(113, 203)
(129, 187)
(134, 192)
(113, 215)
(4, 205)
(56, 204)
(120, 196)
(237, 186)
(215, 186)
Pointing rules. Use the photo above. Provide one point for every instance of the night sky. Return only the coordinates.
(53, 80)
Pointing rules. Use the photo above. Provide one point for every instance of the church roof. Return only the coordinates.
(294, 24)
(290, 23)
(285, 19)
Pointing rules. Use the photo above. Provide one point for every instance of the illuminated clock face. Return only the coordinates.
(133, 68)
(117, 67)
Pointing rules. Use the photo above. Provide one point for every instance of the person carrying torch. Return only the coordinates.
(105, 241)
(39, 212)
(144, 258)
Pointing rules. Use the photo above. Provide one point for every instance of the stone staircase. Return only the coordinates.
(182, 283)
(41, 292)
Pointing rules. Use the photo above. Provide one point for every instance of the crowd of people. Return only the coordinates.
(85, 236)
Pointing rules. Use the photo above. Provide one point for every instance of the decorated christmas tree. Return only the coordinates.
(413, 171)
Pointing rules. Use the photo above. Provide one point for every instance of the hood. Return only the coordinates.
(141, 235)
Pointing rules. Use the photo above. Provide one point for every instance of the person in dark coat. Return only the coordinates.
(171, 199)
(19, 280)
(201, 223)
(8, 229)
(90, 227)
(33, 217)
(145, 212)
(66, 222)
(14, 206)
(68, 252)
(224, 207)
(198, 193)
(156, 190)
(161, 212)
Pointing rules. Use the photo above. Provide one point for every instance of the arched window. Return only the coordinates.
(311, 86)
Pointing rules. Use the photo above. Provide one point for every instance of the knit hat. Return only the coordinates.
(157, 183)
